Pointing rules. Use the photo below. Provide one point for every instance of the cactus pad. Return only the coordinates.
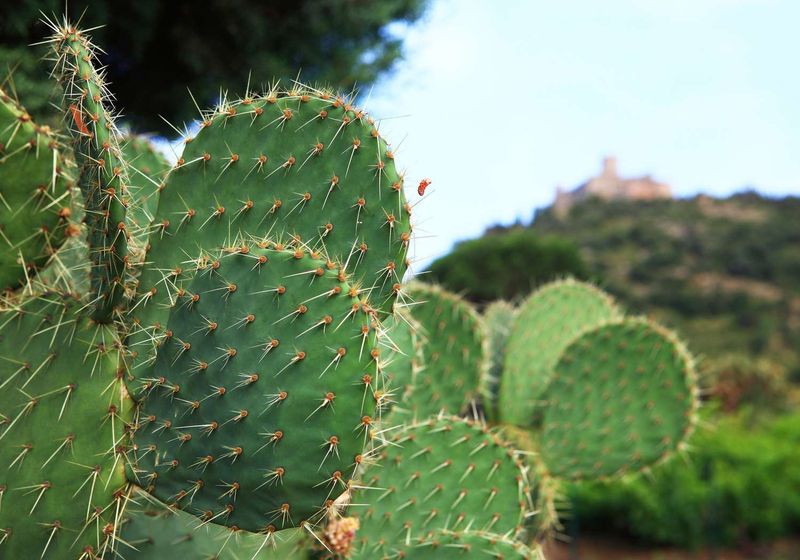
(546, 323)
(403, 363)
(442, 473)
(467, 545)
(34, 195)
(103, 176)
(498, 320)
(63, 410)
(622, 398)
(155, 532)
(300, 165)
(148, 168)
(453, 351)
(264, 392)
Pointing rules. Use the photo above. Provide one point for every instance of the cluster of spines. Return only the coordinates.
(546, 322)
(624, 398)
(453, 349)
(245, 310)
(61, 389)
(249, 175)
(441, 473)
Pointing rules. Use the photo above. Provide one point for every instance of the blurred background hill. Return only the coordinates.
(724, 271)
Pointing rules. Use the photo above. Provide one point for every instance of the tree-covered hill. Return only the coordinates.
(725, 272)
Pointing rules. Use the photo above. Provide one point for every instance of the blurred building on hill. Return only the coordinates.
(608, 185)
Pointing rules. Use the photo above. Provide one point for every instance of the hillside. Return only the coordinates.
(724, 272)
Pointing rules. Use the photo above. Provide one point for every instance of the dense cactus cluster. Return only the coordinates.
(221, 360)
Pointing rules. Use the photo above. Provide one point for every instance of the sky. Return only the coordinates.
(499, 102)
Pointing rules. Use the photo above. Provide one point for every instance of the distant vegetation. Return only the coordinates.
(506, 266)
(724, 272)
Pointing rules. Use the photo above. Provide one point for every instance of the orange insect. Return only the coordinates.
(422, 186)
(77, 117)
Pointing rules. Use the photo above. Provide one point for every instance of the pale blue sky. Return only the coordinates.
(499, 101)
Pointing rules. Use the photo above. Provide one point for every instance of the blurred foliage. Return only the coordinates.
(737, 381)
(507, 265)
(155, 50)
(739, 485)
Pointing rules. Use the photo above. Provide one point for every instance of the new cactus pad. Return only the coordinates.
(453, 350)
(300, 165)
(441, 473)
(63, 411)
(546, 323)
(623, 396)
(34, 195)
(264, 390)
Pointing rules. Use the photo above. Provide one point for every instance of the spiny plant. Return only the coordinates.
(452, 350)
(218, 381)
(546, 323)
(442, 473)
(230, 338)
(597, 395)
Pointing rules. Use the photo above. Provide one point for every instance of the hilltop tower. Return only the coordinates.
(608, 185)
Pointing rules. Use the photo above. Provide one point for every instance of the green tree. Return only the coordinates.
(156, 49)
(506, 265)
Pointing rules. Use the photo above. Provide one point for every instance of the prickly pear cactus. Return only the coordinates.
(63, 411)
(623, 397)
(152, 531)
(453, 351)
(442, 473)
(34, 195)
(546, 323)
(300, 166)
(498, 320)
(264, 393)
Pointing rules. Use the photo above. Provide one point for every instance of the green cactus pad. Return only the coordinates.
(453, 351)
(153, 531)
(103, 176)
(443, 473)
(546, 323)
(498, 320)
(63, 412)
(403, 363)
(264, 391)
(452, 545)
(149, 169)
(301, 166)
(622, 398)
(34, 195)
